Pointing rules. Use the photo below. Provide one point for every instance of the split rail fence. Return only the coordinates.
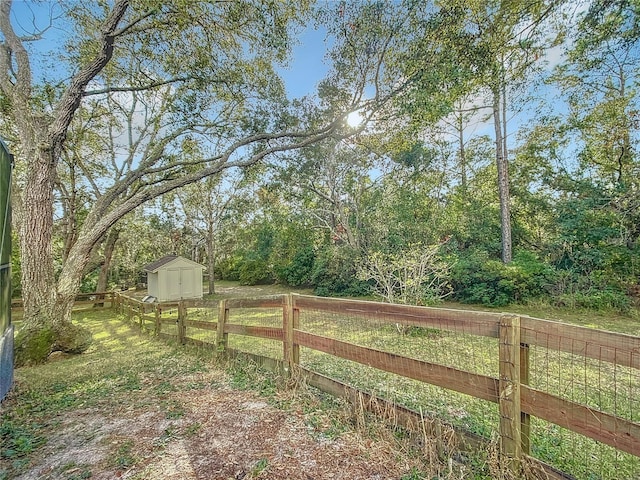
(559, 397)
(82, 301)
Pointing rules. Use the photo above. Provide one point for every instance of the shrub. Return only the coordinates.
(254, 271)
(478, 279)
(417, 276)
(228, 268)
(607, 299)
(334, 274)
(299, 270)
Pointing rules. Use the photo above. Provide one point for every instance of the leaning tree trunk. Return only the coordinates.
(47, 323)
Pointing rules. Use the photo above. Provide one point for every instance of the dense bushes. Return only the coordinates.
(297, 272)
(248, 270)
(254, 271)
(334, 274)
(606, 299)
(476, 278)
(593, 291)
(590, 259)
(330, 271)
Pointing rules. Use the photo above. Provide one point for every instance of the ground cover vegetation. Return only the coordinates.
(120, 357)
(495, 159)
(135, 407)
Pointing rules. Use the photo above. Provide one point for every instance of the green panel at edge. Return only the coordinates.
(5, 299)
(5, 205)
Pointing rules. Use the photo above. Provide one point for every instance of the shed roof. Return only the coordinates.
(161, 262)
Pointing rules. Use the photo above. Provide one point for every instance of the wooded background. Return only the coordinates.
(323, 216)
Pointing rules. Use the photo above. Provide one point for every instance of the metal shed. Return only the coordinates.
(174, 278)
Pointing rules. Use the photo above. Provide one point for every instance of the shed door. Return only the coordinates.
(173, 284)
(186, 280)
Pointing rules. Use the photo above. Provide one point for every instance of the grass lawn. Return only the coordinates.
(138, 408)
(135, 374)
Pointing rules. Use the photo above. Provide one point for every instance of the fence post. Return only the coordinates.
(222, 338)
(100, 299)
(290, 321)
(141, 312)
(182, 313)
(158, 313)
(509, 388)
(525, 418)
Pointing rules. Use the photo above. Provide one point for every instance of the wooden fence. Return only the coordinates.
(510, 388)
(83, 300)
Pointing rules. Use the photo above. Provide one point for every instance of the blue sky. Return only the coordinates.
(308, 65)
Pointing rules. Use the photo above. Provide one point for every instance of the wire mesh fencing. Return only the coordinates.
(566, 395)
(397, 377)
(255, 326)
(201, 322)
(563, 395)
(592, 380)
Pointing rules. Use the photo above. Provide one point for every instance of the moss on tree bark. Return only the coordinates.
(34, 345)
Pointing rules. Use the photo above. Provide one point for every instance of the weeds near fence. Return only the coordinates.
(376, 349)
(330, 417)
(590, 382)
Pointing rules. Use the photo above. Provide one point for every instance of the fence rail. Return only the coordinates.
(583, 380)
(96, 299)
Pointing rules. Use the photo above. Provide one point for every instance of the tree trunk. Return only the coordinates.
(503, 176)
(211, 260)
(103, 276)
(461, 153)
(35, 231)
(47, 323)
(47, 310)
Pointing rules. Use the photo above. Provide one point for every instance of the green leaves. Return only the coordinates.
(418, 275)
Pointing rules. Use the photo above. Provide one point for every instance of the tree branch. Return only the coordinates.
(12, 47)
(72, 97)
(136, 89)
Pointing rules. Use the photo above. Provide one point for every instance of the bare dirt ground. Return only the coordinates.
(213, 433)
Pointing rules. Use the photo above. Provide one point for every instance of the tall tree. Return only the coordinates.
(329, 181)
(597, 214)
(600, 79)
(205, 206)
(200, 68)
(444, 51)
(513, 37)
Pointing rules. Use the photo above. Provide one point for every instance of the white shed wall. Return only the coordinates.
(176, 280)
(152, 284)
